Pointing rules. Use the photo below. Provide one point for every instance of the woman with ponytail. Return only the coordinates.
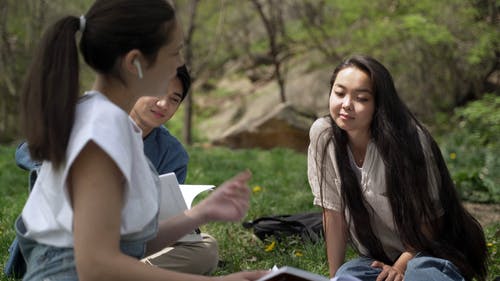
(93, 212)
(383, 185)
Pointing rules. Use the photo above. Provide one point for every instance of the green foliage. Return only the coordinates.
(472, 149)
(482, 117)
(493, 242)
(21, 27)
(437, 51)
(418, 26)
(486, 43)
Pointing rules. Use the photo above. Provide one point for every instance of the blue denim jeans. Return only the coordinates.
(49, 263)
(421, 267)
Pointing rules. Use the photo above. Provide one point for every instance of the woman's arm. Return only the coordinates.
(402, 261)
(229, 202)
(397, 270)
(336, 239)
(96, 192)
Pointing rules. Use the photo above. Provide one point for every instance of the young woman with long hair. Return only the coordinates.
(383, 185)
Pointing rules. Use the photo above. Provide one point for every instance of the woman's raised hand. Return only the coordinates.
(229, 201)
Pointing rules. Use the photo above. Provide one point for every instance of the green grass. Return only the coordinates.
(13, 193)
(281, 176)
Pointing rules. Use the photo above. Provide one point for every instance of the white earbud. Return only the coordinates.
(139, 68)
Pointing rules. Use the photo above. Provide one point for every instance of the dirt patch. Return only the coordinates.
(486, 214)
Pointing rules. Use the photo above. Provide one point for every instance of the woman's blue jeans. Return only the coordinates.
(51, 263)
(421, 267)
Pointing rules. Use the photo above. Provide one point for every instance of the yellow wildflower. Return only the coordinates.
(297, 253)
(270, 247)
(256, 189)
(489, 244)
(453, 156)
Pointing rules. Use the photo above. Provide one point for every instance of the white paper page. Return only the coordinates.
(190, 191)
(301, 275)
(172, 202)
(279, 273)
(176, 198)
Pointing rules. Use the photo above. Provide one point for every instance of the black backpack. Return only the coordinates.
(308, 226)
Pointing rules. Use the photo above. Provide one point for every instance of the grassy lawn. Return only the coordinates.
(279, 186)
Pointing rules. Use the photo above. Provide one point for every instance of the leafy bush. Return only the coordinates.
(471, 149)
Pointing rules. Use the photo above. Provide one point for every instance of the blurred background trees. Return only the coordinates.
(442, 53)
(21, 25)
(444, 56)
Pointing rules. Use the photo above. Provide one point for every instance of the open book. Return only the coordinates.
(288, 273)
(176, 198)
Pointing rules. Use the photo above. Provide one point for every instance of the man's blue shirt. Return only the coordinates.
(164, 151)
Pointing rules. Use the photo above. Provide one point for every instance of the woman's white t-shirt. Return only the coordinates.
(48, 215)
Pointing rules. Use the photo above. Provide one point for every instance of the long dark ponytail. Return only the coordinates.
(402, 141)
(50, 92)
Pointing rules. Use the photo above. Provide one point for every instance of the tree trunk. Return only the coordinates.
(271, 23)
(188, 102)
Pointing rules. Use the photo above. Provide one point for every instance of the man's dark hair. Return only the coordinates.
(185, 78)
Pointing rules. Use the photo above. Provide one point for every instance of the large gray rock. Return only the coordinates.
(260, 119)
(283, 126)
